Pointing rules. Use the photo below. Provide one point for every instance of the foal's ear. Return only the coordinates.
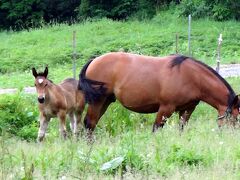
(45, 73)
(34, 72)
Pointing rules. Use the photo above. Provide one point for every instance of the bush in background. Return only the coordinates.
(21, 14)
(25, 14)
(19, 116)
(217, 9)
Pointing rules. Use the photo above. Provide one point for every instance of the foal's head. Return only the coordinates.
(41, 83)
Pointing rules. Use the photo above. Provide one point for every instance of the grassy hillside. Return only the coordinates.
(52, 45)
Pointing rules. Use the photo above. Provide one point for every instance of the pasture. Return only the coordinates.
(202, 151)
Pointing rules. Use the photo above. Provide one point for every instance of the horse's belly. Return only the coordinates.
(138, 100)
(150, 108)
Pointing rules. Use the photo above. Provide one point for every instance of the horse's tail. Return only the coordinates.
(93, 90)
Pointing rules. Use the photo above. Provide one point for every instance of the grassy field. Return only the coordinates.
(202, 151)
(52, 45)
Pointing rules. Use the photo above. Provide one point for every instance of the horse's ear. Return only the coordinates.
(34, 72)
(45, 72)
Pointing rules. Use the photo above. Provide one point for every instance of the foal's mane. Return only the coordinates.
(179, 59)
(42, 74)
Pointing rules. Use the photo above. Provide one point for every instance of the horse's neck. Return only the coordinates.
(51, 92)
(216, 96)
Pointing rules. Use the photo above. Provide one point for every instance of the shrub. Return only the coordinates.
(218, 9)
(184, 157)
(21, 14)
(18, 116)
(197, 8)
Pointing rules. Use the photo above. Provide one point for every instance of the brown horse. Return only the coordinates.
(148, 84)
(58, 101)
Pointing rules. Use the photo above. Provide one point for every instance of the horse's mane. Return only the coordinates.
(93, 90)
(177, 61)
(41, 74)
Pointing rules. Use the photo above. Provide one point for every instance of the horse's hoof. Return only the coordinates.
(156, 127)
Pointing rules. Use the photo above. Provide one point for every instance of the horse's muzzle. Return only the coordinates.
(41, 99)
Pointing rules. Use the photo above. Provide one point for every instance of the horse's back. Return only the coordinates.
(69, 81)
(73, 96)
(130, 75)
(114, 66)
(143, 82)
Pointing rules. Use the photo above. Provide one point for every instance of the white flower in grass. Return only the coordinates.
(63, 178)
(22, 168)
(11, 176)
(213, 129)
(221, 142)
(149, 155)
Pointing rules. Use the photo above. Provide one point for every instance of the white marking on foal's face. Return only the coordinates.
(40, 81)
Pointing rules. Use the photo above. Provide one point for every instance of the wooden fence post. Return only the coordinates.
(74, 55)
(219, 52)
(189, 35)
(177, 43)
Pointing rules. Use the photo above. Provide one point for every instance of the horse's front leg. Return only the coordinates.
(164, 112)
(184, 115)
(94, 113)
(44, 120)
(62, 126)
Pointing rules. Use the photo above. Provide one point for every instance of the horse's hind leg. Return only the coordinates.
(163, 113)
(62, 117)
(72, 121)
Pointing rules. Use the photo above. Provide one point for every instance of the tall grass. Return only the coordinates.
(202, 151)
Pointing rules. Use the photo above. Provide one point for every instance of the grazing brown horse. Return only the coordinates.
(148, 84)
(58, 101)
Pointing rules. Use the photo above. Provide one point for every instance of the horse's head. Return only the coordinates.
(233, 114)
(236, 105)
(41, 83)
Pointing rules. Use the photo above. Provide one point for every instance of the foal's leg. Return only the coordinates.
(78, 123)
(164, 112)
(72, 121)
(62, 117)
(44, 120)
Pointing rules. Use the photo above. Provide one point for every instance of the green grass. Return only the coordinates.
(202, 151)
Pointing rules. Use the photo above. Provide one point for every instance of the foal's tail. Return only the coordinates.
(93, 90)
